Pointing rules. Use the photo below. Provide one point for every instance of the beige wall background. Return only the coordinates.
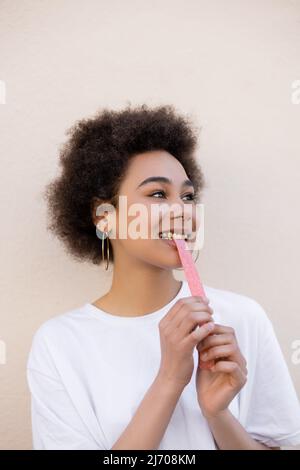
(231, 65)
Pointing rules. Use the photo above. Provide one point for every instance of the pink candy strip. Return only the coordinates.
(193, 279)
(190, 270)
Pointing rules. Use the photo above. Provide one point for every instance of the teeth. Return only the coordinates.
(170, 235)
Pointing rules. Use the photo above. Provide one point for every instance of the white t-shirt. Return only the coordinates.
(88, 371)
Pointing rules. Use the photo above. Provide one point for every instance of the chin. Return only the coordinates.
(167, 261)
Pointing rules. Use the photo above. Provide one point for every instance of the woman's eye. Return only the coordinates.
(191, 196)
(157, 192)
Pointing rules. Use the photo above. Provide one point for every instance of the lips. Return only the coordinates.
(169, 242)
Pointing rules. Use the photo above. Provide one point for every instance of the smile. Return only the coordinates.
(171, 236)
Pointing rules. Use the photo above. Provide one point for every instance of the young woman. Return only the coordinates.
(122, 372)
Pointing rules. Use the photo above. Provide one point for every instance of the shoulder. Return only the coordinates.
(53, 336)
(58, 323)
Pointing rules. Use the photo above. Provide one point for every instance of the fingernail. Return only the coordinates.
(210, 326)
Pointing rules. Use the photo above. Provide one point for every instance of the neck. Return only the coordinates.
(138, 289)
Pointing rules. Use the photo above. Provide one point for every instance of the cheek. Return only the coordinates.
(135, 222)
(198, 219)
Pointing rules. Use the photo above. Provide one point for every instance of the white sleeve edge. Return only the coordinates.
(288, 440)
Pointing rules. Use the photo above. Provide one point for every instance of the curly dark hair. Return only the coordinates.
(94, 161)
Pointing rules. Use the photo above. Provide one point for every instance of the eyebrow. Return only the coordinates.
(163, 179)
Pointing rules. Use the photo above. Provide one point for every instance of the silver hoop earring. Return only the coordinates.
(104, 235)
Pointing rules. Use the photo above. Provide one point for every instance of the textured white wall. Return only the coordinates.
(231, 65)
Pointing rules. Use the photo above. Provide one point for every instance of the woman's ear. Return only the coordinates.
(96, 202)
(105, 220)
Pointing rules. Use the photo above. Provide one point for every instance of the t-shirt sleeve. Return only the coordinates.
(273, 415)
(56, 423)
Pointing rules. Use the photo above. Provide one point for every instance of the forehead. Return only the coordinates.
(153, 163)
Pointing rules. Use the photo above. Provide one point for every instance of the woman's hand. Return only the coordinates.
(179, 336)
(218, 384)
